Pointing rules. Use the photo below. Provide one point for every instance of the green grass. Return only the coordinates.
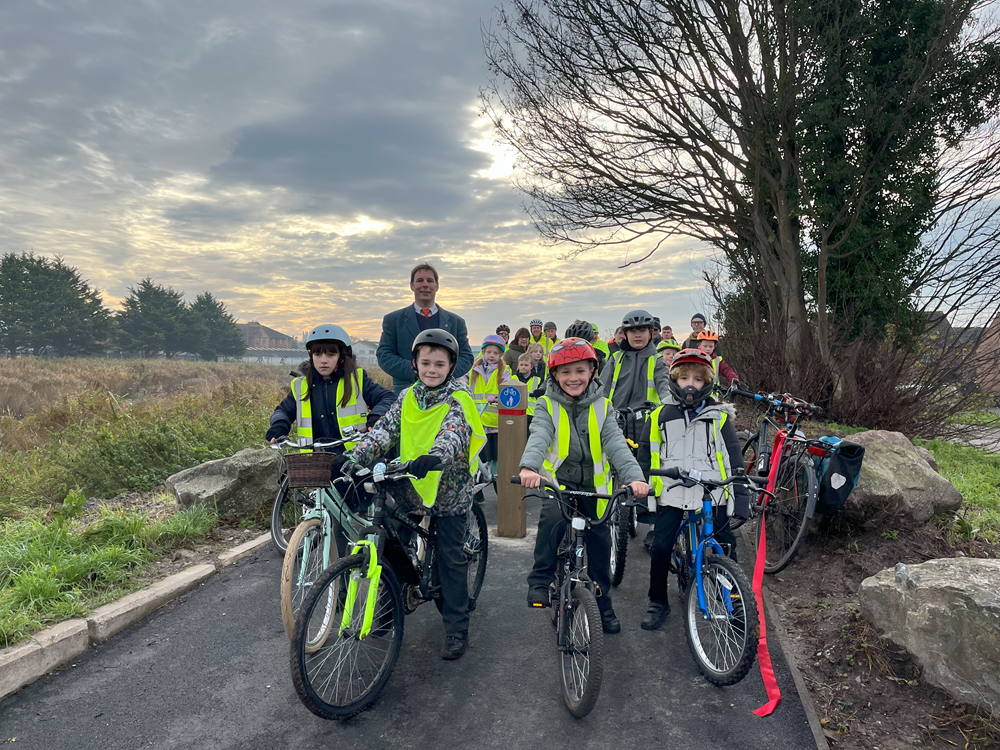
(56, 570)
(976, 474)
(977, 419)
(845, 429)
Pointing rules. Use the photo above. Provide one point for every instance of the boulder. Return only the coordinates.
(946, 613)
(897, 481)
(238, 486)
(927, 456)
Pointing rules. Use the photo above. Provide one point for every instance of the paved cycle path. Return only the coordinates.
(211, 670)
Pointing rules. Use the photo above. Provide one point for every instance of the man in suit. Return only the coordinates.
(400, 327)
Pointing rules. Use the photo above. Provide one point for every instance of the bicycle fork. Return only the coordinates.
(576, 573)
(708, 529)
(373, 574)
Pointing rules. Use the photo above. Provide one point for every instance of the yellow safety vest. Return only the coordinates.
(353, 414)
(481, 389)
(651, 394)
(656, 444)
(601, 346)
(532, 385)
(545, 342)
(559, 450)
(420, 428)
(715, 366)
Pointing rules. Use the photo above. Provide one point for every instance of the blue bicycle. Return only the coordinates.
(720, 616)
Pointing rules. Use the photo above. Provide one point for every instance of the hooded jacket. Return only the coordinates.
(578, 468)
(323, 393)
(630, 391)
(513, 352)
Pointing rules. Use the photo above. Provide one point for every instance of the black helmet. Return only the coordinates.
(581, 329)
(437, 337)
(637, 319)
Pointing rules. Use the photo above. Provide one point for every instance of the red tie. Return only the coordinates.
(425, 312)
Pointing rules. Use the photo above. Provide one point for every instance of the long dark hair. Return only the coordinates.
(347, 367)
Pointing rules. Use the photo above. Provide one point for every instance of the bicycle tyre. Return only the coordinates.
(619, 547)
(285, 515)
(477, 558)
(749, 459)
(633, 522)
(581, 673)
(724, 648)
(784, 516)
(316, 675)
(308, 535)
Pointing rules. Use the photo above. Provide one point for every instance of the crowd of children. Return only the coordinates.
(575, 386)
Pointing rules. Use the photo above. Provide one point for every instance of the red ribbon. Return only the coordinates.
(763, 654)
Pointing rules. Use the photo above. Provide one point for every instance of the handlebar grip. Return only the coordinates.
(515, 480)
(671, 473)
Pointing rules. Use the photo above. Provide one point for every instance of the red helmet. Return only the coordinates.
(571, 350)
(691, 357)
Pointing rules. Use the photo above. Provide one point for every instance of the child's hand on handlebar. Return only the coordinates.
(530, 479)
(639, 489)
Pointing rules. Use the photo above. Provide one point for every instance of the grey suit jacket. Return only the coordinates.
(400, 327)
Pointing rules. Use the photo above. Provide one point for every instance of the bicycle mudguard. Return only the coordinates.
(373, 574)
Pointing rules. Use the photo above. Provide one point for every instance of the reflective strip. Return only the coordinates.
(559, 449)
(716, 428)
(715, 366)
(355, 414)
(651, 395)
(532, 385)
(303, 415)
(655, 443)
(618, 356)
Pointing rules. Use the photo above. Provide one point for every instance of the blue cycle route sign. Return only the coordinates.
(510, 397)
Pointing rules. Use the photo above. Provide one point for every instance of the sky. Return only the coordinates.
(295, 159)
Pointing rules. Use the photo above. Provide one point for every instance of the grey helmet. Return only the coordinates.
(549, 326)
(637, 319)
(438, 337)
(329, 332)
(535, 322)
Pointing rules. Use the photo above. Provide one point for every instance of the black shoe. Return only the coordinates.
(454, 646)
(538, 596)
(610, 623)
(655, 616)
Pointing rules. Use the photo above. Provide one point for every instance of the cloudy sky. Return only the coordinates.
(295, 159)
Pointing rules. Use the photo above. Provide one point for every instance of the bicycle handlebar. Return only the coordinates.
(782, 401)
(695, 476)
(347, 435)
(558, 494)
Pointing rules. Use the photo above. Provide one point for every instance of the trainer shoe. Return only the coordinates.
(655, 616)
(454, 646)
(538, 596)
(610, 623)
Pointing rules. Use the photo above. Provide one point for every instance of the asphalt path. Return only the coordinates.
(211, 670)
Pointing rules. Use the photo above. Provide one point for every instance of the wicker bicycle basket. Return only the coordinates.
(309, 469)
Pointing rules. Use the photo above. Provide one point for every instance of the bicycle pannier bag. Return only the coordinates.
(838, 474)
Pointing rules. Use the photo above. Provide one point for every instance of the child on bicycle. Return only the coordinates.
(332, 393)
(708, 342)
(695, 432)
(428, 435)
(488, 373)
(573, 407)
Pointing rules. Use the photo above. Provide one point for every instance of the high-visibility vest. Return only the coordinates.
(601, 346)
(715, 366)
(532, 385)
(353, 414)
(419, 430)
(651, 394)
(597, 414)
(697, 460)
(545, 342)
(481, 388)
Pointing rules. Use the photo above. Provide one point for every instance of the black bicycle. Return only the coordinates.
(575, 613)
(350, 628)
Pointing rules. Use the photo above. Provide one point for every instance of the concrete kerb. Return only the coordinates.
(783, 639)
(55, 646)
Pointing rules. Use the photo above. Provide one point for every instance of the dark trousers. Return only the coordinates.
(489, 451)
(551, 527)
(668, 522)
(453, 572)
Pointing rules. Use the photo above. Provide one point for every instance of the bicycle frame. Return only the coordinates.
(700, 535)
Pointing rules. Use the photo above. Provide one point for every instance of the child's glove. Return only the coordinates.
(274, 432)
(372, 419)
(735, 384)
(491, 399)
(343, 466)
(420, 466)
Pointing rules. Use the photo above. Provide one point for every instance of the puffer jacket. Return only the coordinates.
(510, 356)
(578, 468)
(454, 495)
(630, 392)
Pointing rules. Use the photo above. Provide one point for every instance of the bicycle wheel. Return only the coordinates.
(725, 645)
(285, 514)
(581, 662)
(633, 522)
(619, 545)
(784, 516)
(749, 463)
(302, 567)
(477, 549)
(346, 674)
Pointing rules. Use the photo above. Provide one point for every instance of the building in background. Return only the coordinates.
(259, 336)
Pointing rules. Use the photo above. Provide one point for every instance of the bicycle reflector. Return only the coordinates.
(817, 451)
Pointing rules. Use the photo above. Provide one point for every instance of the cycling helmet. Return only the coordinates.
(494, 340)
(571, 350)
(637, 319)
(535, 322)
(437, 337)
(549, 325)
(707, 335)
(502, 329)
(581, 329)
(668, 344)
(690, 397)
(329, 332)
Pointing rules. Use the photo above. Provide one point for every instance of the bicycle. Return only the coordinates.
(720, 614)
(327, 524)
(350, 628)
(789, 464)
(286, 512)
(624, 520)
(575, 613)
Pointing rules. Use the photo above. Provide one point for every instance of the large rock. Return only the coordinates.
(897, 481)
(946, 613)
(238, 486)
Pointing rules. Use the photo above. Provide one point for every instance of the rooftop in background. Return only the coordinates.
(259, 335)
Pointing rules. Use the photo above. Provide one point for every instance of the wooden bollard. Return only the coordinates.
(512, 514)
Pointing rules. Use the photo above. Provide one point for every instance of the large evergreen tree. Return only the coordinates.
(154, 318)
(223, 337)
